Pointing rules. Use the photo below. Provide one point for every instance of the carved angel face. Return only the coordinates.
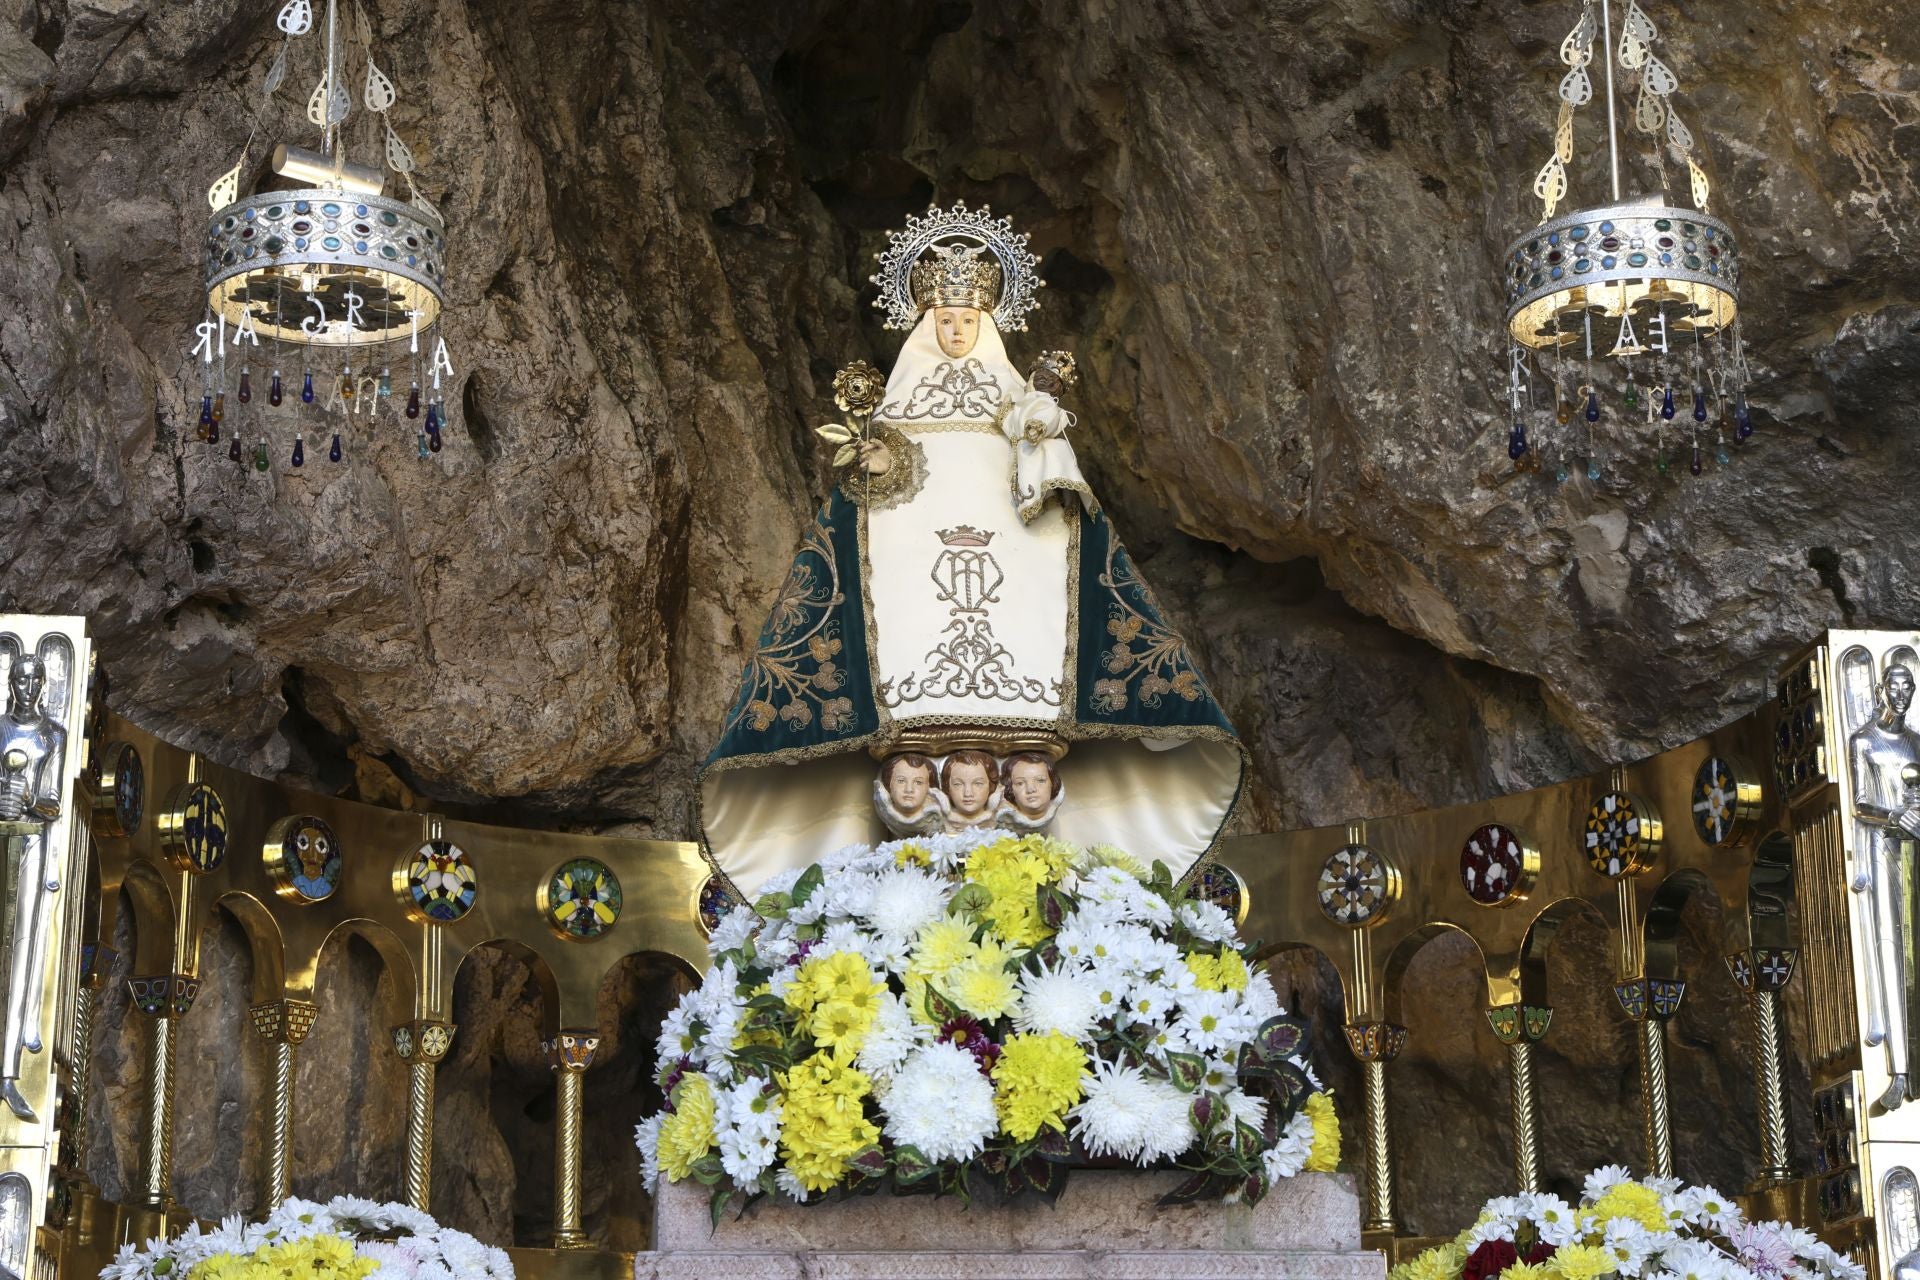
(908, 786)
(1030, 787)
(956, 329)
(968, 788)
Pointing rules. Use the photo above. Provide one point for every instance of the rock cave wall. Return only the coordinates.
(1270, 232)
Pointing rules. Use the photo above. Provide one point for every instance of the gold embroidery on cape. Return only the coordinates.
(969, 661)
(791, 678)
(1160, 665)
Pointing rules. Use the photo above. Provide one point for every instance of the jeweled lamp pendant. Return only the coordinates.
(319, 272)
(1625, 343)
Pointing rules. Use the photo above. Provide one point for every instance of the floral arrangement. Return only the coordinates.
(923, 1013)
(1656, 1229)
(344, 1239)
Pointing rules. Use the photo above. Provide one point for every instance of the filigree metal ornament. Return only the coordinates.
(438, 883)
(1496, 866)
(1357, 885)
(1724, 802)
(304, 858)
(581, 899)
(957, 237)
(1622, 837)
(715, 903)
(193, 828)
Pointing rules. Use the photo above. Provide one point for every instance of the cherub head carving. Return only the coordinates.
(908, 779)
(1030, 782)
(968, 779)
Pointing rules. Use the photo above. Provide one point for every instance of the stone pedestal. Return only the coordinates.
(1106, 1225)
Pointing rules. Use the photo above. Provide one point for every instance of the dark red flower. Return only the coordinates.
(971, 1036)
(1540, 1253)
(1489, 1260)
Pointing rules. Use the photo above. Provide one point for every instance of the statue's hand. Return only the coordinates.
(875, 457)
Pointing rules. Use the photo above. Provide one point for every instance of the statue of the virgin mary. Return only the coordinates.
(962, 640)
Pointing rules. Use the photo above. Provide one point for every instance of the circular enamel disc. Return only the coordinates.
(1496, 867)
(1622, 837)
(1356, 886)
(581, 899)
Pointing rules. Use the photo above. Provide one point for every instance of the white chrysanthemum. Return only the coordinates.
(1260, 1000)
(847, 895)
(752, 1107)
(677, 1039)
(1689, 1259)
(941, 1104)
(1245, 1108)
(1163, 1041)
(1149, 1004)
(1121, 1110)
(646, 1136)
(732, 932)
(1287, 1157)
(1630, 1243)
(1603, 1180)
(1205, 921)
(789, 1184)
(1220, 1073)
(1704, 1206)
(1212, 1021)
(905, 901)
(746, 1156)
(782, 881)
(1553, 1218)
(1056, 1000)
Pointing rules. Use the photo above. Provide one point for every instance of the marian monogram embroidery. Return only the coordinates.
(792, 677)
(954, 389)
(969, 661)
(1148, 659)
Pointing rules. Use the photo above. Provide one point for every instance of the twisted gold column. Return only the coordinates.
(1653, 1098)
(1526, 1119)
(571, 1053)
(85, 1002)
(1770, 1088)
(161, 998)
(421, 1045)
(284, 1024)
(1376, 1044)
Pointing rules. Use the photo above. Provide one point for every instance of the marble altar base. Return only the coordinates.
(1106, 1225)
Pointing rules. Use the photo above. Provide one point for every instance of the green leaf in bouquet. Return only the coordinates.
(1186, 1070)
(939, 1008)
(992, 1162)
(1045, 1177)
(1161, 880)
(769, 1057)
(1055, 906)
(707, 1170)
(772, 906)
(810, 880)
(767, 1001)
(1204, 1108)
(1290, 1085)
(969, 899)
(1219, 1141)
(1053, 1144)
(717, 1204)
(869, 1162)
(1201, 1186)
(1281, 1037)
(1246, 1141)
(910, 1166)
(1254, 1188)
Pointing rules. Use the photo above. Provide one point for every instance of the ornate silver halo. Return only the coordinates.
(975, 227)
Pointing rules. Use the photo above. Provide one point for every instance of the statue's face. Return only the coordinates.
(24, 683)
(1899, 690)
(956, 329)
(1030, 788)
(967, 787)
(908, 787)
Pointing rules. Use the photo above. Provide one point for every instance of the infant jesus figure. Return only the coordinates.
(904, 796)
(1031, 791)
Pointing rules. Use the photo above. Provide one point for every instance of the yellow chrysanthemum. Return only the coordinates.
(943, 947)
(842, 1025)
(1580, 1262)
(823, 1120)
(324, 1257)
(1225, 972)
(837, 976)
(1524, 1271)
(1036, 1079)
(1634, 1201)
(1325, 1156)
(912, 855)
(1443, 1263)
(687, 1132)
(986, 991)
